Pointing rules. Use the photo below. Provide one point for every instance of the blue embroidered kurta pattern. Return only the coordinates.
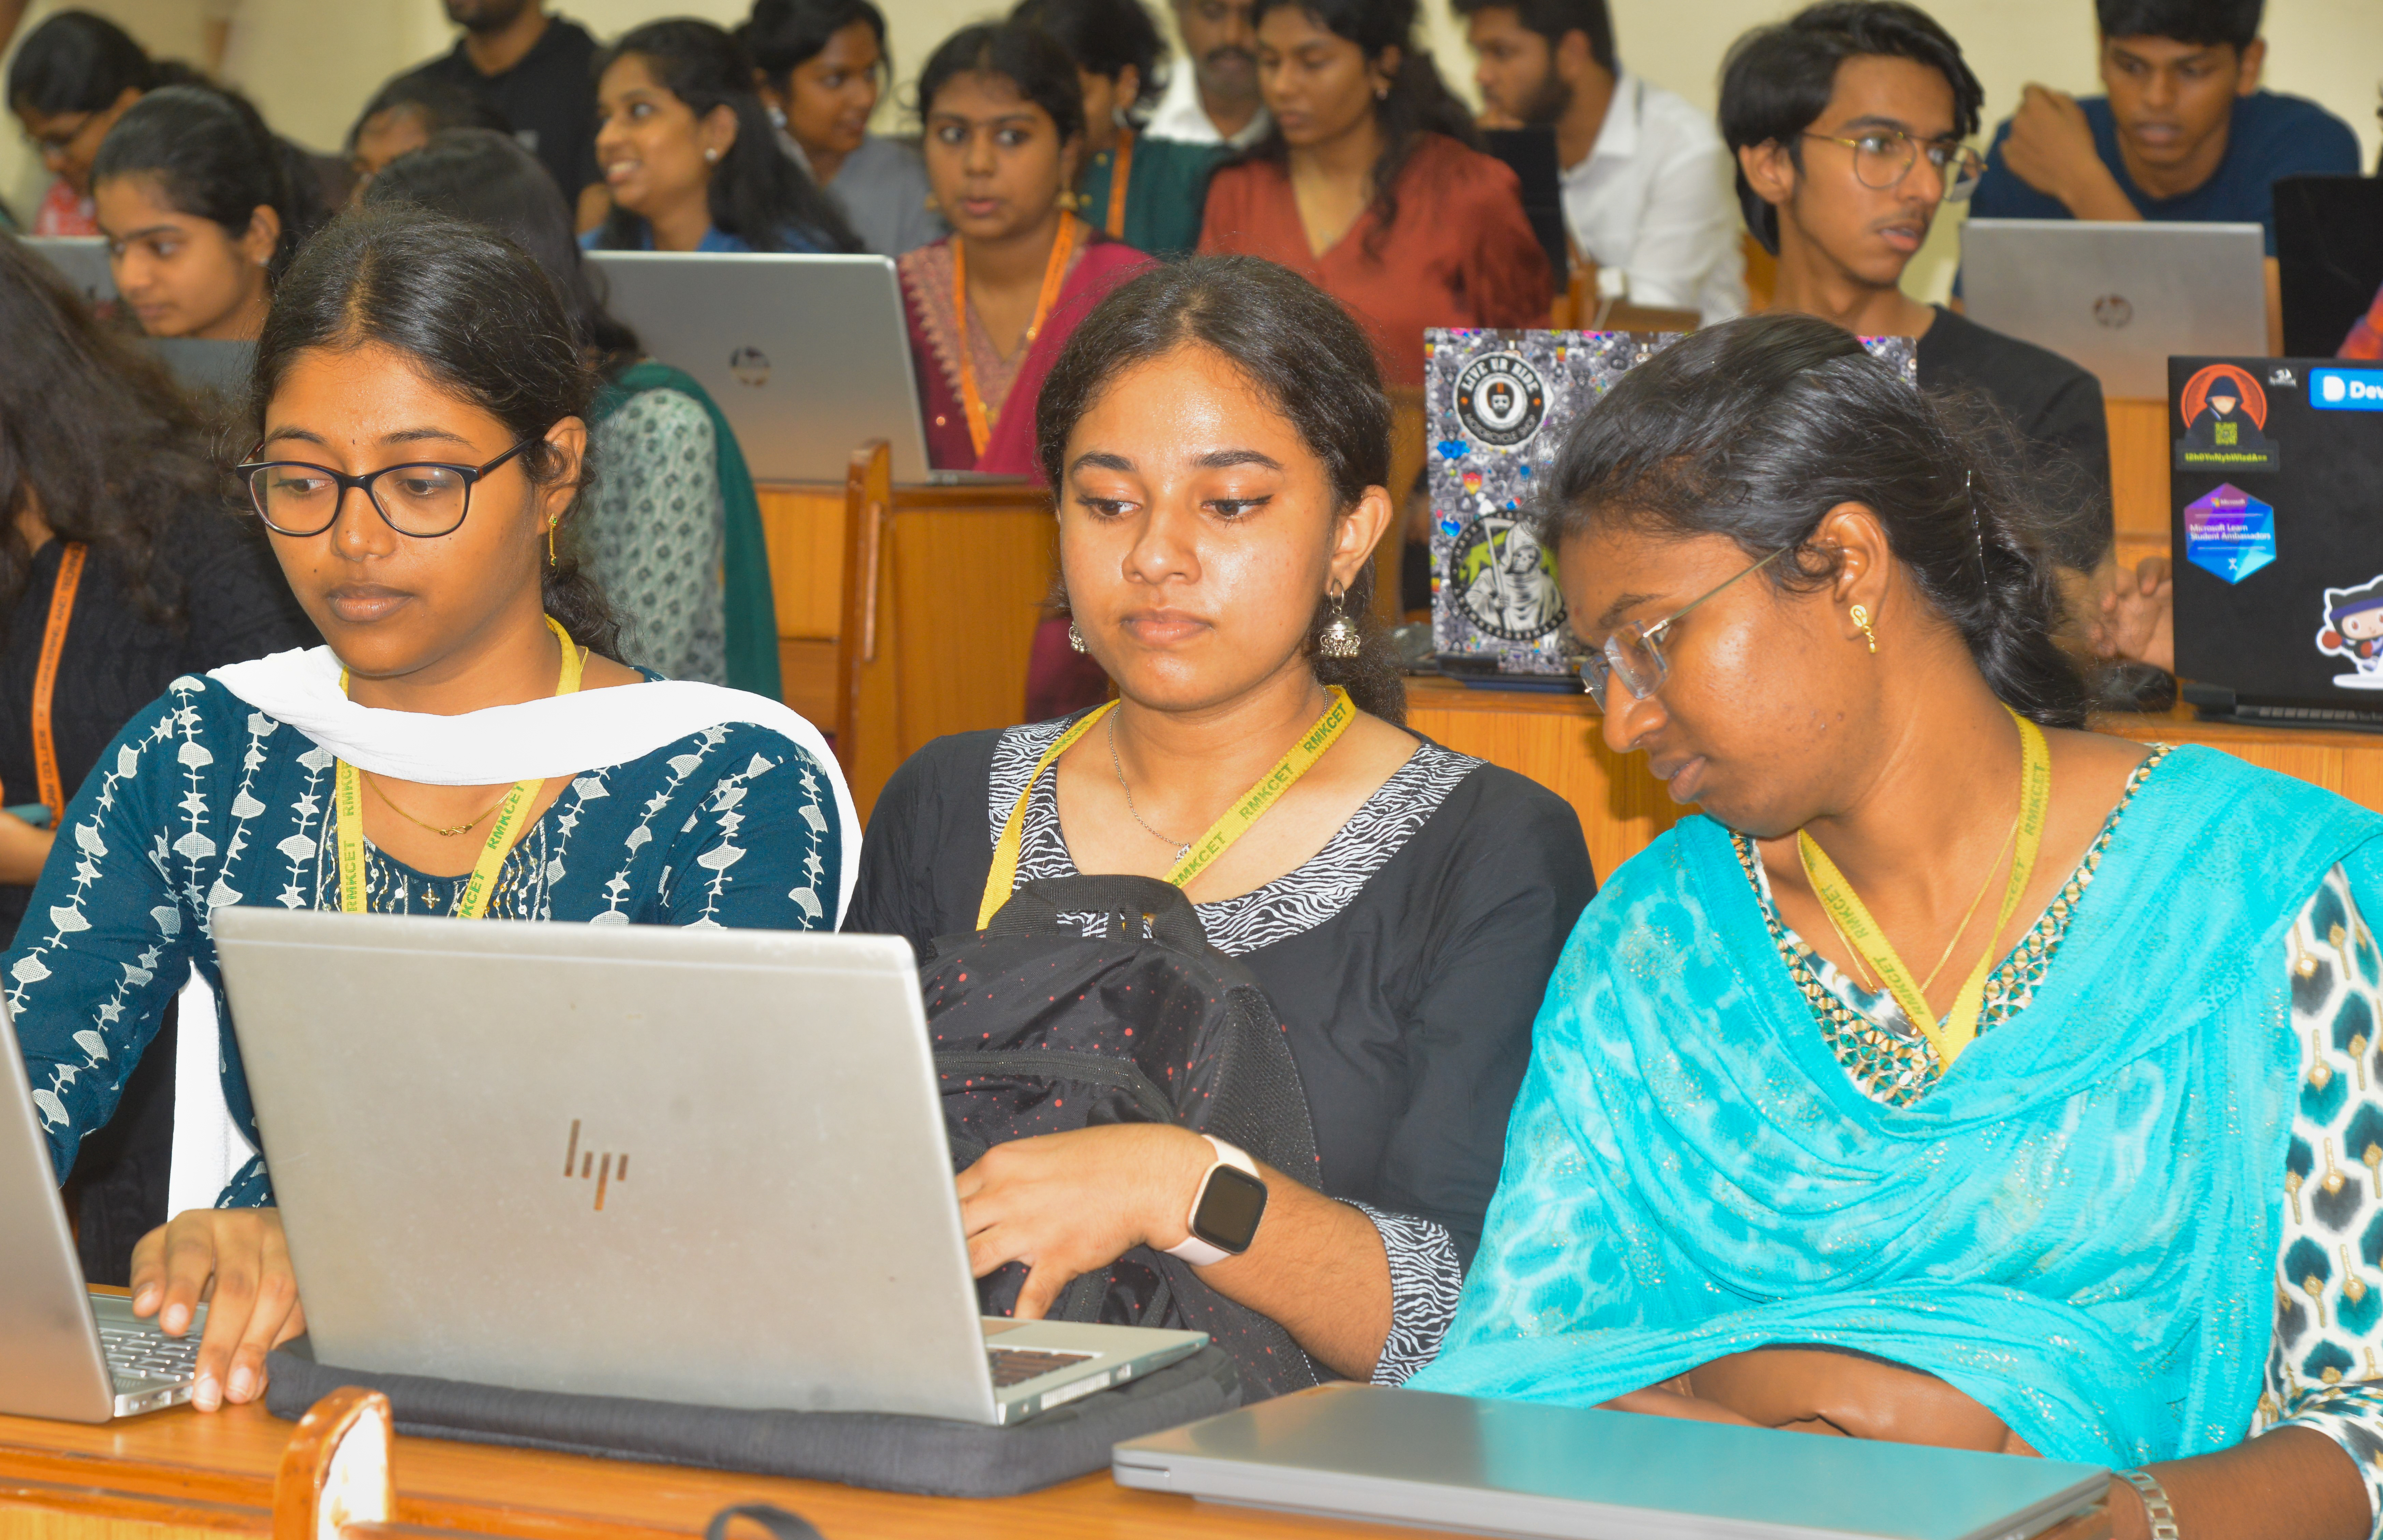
(204, 802)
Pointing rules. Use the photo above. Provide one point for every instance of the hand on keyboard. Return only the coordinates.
(236, 1261)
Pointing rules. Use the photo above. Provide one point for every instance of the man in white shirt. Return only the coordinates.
(1646, 182)
(1216, 101)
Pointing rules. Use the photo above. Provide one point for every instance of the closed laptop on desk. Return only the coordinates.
(1515, 1468)
(2276, 491)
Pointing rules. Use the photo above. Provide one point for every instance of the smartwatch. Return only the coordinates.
(1226, 1211)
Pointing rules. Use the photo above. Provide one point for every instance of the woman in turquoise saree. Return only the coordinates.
(2111, 1199)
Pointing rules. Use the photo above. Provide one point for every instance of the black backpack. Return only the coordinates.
(1039, 1029)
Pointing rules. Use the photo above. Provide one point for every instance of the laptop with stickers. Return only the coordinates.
(2276, 475)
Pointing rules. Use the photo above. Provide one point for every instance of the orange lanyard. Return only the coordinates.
(1055, 273)
(46, 679)
(1119, 175)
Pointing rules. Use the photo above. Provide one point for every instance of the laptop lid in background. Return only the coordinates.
(807, 356)
(205, 367)
(2117, 298)
(2328, 257)
(1412, 1457)
(688, 1165)
(2276, 488)
(82, 260)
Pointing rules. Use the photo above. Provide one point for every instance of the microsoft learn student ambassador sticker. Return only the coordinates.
(2229, 533)
(1501, 400)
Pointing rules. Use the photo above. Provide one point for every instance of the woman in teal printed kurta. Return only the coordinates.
(1760, 1170)
(466, 745)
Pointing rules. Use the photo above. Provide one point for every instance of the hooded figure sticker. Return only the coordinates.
(2224, 414)
(2354, 629)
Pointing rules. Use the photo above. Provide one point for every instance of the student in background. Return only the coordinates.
(1646, 179)
(1368, 185)
(1216, 101)
(203, 209)
(991, 305)
(2366, 338)
(670, 525)
(401, 340)
(1147, 192)
(2184, 132)
(120, 534)
(538, 72)
(1219, 439)
(2084, 1194)
(402, 117)
(71, 79)
(824, 67)
(1848, 121)
(689, 156)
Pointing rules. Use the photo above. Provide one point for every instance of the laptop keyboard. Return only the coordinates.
(1016, 1365)
(144, 1352)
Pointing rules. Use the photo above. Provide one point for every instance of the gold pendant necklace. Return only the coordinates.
(374, 781)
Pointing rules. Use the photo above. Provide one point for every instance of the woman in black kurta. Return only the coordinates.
(1218, 442)
(99, 454)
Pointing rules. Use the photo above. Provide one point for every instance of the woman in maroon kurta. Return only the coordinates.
(1365, 188)
(991, 305)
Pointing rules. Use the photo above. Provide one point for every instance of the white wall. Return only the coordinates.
(310, 64)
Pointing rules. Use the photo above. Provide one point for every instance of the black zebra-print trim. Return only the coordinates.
(1426, 1280)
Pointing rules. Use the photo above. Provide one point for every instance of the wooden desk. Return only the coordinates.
(1554, 739)
(2138, 466)
(178, 1473)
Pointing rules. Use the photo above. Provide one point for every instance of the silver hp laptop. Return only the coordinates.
(705, 1167)
(65, 1351)
(2117, 298)
(1410, 1456)
(83, 260)
(808, 356)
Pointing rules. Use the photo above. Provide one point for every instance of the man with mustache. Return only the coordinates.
(1646, 180)
(1848, 121)
(1216, 101)
(2184, 133)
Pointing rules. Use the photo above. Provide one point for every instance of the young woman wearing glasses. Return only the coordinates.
(1960, 1076)
(422, 403)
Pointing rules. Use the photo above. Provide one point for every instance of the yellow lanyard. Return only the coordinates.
(1959, 1027)
(1054, 274)
(504, 834)
(1236, 821)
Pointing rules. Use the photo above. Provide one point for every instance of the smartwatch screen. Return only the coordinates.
(1229, 1209)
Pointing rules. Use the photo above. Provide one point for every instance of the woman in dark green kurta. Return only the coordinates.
(1119, 52)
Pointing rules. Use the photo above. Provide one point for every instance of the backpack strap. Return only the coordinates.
(1003, 878)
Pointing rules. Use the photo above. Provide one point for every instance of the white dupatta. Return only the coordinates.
(537, 739)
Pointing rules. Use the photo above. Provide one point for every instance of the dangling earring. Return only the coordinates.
(1338, 638)
(551, 560)
(1075, 637)
(1861, 618)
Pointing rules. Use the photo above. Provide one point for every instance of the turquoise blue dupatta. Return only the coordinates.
(2077, 1226)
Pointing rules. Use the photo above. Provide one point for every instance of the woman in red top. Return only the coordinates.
(1369, 185)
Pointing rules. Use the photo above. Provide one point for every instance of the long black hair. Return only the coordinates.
(1106, 36)
(78, 62)
(758, 192)
(1757, 427)
(784, 35)
(1303, 354)
(473, 312)
(1417, 102)
(94, 437)
(1027, 58)
(214, 158)
(487, 177)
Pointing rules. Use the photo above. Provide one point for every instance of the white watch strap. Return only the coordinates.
(1193, 1249)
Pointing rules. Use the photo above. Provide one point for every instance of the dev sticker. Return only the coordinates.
(2346, 389)
(2229, 533)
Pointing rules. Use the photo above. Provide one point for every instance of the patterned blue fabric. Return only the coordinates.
(2077, 1226)
(204, 801)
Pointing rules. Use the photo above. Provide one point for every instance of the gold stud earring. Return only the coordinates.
(1861, 618)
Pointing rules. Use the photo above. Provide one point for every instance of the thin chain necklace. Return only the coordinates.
(374, 781)
(1182, 847)
(1869, 982)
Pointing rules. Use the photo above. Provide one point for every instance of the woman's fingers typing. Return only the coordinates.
(237, 1262)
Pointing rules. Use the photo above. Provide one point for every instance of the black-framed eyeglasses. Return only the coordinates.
(1883, 157)
(1633, 654)
(423, 498)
